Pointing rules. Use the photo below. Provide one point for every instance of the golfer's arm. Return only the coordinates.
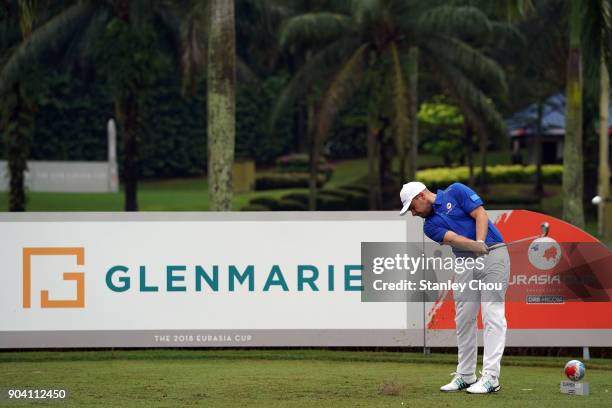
(460, 242)
(482, 223)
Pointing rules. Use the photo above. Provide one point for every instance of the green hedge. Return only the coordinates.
(354, 197)
(275, 181)
(254, 207)
(270, 203)
(353, 200)
(276, 204)
(327, 200)
(300, 163)
(299, 197)
(443, 177)
(291, 205)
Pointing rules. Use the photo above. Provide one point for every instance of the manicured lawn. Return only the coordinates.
(191, 194)
(286, 378)
(166, 195)
(187, 194)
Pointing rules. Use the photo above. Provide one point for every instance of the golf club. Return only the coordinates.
(545, 228)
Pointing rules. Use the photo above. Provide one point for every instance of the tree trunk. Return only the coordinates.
(387, 184)
(373, 176)
(469, 154)
(483, 159)
(539, 186)
(604, 160)
(413, 95)
(573, 211)
(221, 98)
(127, 111)
(313, 173)
(301, 128)
(19, 127)
(313, 156)
(299, 125)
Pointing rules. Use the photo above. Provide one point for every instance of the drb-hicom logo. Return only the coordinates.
(78, 301)
(544, 253)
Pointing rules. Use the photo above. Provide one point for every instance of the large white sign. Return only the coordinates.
(215, 279)
(154, 273)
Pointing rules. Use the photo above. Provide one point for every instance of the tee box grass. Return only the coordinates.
(286, 378)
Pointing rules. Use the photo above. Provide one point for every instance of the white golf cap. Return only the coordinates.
(409, 191)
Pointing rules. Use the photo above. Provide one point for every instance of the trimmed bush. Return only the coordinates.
(301, 198)
(255, 207)
(443, 177)
(343, 195)
(291, 205)
(359, 188)
(300, 163)
(353, 200)
(328, 203)
(331, 200)
(276, 181)
(270, 203)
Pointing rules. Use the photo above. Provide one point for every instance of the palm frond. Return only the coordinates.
(194, 34)
(340, 89)
(260, 17)
(49, 37)
(271, 10)
(313, 29)
(509, 10)
(471, 61)
(82, 48)
(503, 33)
(596, 40)
(519, 9)
(478, 106)
(400, 101)
(257, 31)
(170, 15)
(367, 11)
(454, 20)
(28, 12)
(244, 73)
(315, 69)
(141, 12)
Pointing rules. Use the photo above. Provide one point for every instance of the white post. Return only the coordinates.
(113, 176)
(586, 355)
(604, 145)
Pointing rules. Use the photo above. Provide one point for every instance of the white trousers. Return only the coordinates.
(496, 270)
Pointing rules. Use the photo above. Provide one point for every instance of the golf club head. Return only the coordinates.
(545, 227)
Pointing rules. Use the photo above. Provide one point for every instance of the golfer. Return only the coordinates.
(456, 217)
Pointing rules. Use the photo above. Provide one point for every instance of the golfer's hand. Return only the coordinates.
(480, 248)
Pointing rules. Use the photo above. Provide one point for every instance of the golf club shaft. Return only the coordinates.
(503, 244)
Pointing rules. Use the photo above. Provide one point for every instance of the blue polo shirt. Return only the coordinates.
(451, 212)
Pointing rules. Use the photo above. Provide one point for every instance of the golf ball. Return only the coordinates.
(596, 200)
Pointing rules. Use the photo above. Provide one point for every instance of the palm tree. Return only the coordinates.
(367, 44)
(509, 11)
(544, 55)
(596, 43)
(573, 210)
(221, 85)
(18, 107)
(75, 33)
(604, 159)
(209, 30)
